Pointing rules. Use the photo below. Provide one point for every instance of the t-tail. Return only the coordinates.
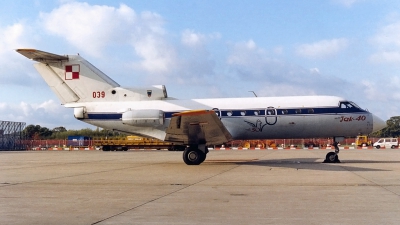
(75, 80)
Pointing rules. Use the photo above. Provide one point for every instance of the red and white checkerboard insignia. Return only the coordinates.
(72, 72)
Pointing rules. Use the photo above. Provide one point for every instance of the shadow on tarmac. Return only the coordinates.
(306, 164)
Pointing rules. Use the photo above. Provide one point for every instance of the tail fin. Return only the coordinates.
(71, 77)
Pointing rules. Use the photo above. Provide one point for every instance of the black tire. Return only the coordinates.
(331, 157)
(392, 146)
(106, 148)
(193, 156)
(378, 147)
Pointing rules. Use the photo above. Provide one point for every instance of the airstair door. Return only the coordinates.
(271, 116)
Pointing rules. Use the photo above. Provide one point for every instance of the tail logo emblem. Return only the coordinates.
(72, 72)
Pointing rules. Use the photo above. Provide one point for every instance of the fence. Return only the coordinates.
(11, 136)
(56, 143)
(316, 142)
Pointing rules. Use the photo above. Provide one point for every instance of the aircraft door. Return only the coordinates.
(271, 116)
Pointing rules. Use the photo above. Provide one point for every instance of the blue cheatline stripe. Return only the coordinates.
(104, 116)
(247, 112)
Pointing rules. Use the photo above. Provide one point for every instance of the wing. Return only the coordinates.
(197, 127)
(41, 56)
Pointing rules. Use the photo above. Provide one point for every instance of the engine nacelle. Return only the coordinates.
(143, 117)
(79, 112)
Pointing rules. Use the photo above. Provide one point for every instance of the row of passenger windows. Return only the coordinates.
(269, 112)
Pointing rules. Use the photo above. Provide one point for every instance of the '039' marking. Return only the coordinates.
(98, 94)
(349, 119)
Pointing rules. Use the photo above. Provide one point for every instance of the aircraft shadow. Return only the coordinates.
(309, 164)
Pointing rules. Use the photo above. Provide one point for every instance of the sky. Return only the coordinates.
(205, 49)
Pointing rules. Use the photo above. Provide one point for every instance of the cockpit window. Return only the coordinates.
(355, 105)
(348, 105)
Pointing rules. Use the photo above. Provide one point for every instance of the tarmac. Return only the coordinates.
(230, 187)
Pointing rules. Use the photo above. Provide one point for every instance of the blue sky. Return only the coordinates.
(203, 49)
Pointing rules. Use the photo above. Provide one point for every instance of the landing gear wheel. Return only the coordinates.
(193, 156)
(331, 157)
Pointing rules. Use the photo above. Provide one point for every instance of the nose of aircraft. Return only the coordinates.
(377, 123)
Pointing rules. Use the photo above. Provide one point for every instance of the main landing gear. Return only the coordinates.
(332, 157)
(195, 154)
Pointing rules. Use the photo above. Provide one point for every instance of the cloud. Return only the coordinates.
(375, 91)
(104, 26)
(322, 49)
(157, 55)
(193, 39)
(347, 3)
(48, 113)
(388, 35)
(14, 69)
(158, 58)
(387, 43)
(271, 76)
(80, 24)
(386, 57)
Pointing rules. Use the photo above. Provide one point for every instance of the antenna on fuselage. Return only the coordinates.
(254, 93)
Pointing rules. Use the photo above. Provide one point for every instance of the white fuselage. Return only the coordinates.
(246, 118)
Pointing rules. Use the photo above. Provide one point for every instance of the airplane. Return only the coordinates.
(193, 124)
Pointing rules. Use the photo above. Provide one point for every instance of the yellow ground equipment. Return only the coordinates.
(131, 142)
(362, 141)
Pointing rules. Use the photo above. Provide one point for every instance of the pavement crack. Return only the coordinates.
(165, 195)
(372, 182)
(7, 184)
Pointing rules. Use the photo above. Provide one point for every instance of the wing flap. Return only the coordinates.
(41, 56)
(197, 127)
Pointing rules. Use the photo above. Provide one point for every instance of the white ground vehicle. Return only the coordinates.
(387, 143)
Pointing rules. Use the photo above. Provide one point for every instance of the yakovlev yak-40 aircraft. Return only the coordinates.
(194, 124)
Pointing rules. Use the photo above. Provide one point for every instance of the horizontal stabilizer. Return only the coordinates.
(41, 56)
(197, 127)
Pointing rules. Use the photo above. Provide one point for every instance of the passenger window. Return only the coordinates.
(284, 111)
(298, 111)
(270, 111)
(243, 113)
(310, 110)
(230, 113)
(256, 113)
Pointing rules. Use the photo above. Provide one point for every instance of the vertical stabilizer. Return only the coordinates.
(72, 78)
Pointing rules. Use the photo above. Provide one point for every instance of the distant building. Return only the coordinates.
(79, 141)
